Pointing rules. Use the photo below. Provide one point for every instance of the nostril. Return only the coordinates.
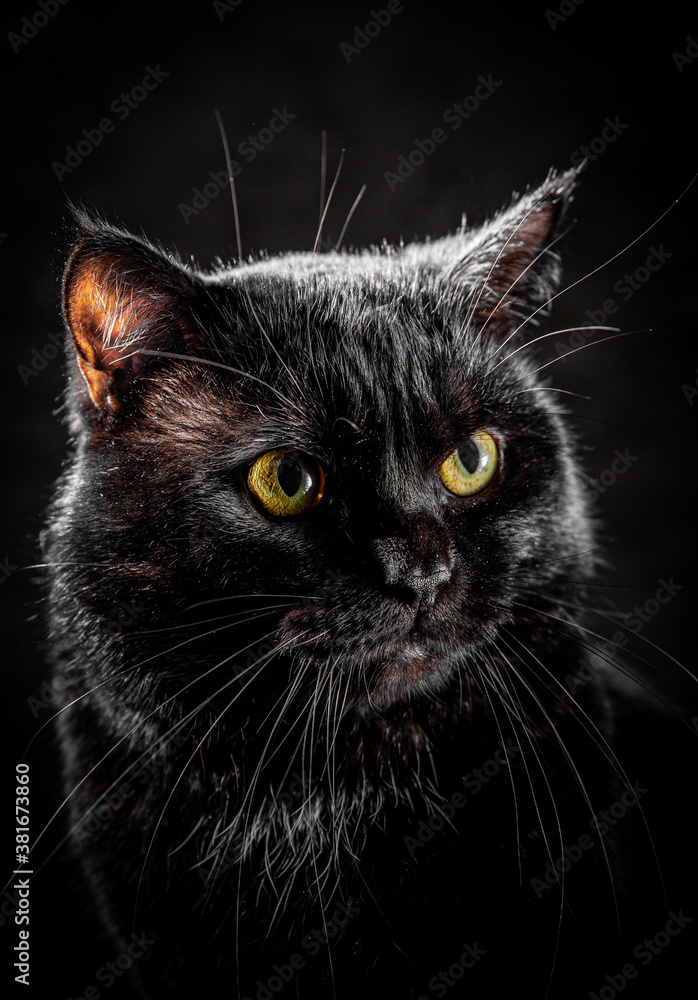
(413, 572)
(440, 574)
(426, 585)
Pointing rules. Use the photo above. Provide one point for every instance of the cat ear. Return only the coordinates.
(508, 269)
(121, 297)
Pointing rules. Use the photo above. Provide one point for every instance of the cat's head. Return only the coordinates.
(349, 454)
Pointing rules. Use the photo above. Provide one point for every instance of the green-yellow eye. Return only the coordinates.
(286, 483)
(472, 467)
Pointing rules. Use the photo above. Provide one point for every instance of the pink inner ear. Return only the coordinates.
(516, 263)
(110, 319)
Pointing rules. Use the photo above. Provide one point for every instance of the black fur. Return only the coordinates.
(318, 692)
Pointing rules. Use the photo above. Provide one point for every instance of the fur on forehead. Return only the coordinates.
(504, 270)
(127, 301)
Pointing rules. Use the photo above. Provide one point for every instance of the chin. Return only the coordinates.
(415, 670)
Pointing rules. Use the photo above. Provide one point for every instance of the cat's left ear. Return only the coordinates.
(506, 271)
(123, 300)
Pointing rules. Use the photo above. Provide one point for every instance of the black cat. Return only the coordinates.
(320, 560)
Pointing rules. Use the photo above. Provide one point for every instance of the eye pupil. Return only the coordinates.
(472, 467)
(470, 457)
(286, 483)
(289, 475)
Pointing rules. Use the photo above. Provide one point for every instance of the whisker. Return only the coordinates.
(114, 678)
(519, 715)
(471, 311)
(601, 267)
(203, 739)
(517, 821)
(596, 635)
(220, 364)
(351, 212)
(284, 365)
(231, 178)
(603, 745)
(242, 597)
(323, 175)
(235, 615)
(553, 333)
(575, 350)
(552, 388)
(327, 204)
(149, 749)
(503, 687)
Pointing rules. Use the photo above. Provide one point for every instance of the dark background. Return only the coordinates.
(559, 83)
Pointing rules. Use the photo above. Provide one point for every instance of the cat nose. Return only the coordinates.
(417, 563)
(425, 586)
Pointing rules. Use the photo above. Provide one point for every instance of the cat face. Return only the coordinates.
(347, 450)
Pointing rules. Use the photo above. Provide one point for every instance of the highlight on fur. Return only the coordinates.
(321, 690)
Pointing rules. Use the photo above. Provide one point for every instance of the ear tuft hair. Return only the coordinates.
(120, 296)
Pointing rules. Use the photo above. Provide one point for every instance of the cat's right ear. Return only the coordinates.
(122, 299)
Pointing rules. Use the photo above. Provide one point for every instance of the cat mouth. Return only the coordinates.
(407, 655)
(414, 667)
(406, 668)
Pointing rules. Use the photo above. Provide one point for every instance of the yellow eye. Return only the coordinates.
(286, 483)
(472, 467)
